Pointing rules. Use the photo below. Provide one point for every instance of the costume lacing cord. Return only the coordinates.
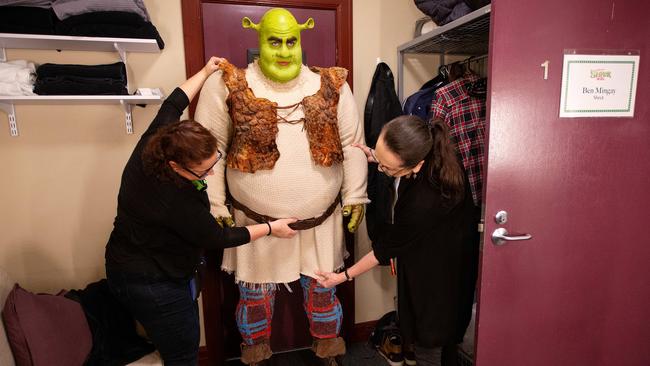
(293, 107)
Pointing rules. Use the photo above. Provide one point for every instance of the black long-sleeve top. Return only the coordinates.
(434, 241)
(161, 228)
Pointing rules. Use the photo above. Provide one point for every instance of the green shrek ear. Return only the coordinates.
(247, 23)
(309, 24)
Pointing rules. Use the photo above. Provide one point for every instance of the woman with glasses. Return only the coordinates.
(428, 239)
(163, 225)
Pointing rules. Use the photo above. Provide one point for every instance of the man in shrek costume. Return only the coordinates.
(287, 131)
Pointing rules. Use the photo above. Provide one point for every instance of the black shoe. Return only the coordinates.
(391, 349)
(409, 355)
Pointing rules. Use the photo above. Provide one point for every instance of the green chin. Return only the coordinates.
(280, 74)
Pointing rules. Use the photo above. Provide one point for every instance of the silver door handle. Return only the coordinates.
(500, 236)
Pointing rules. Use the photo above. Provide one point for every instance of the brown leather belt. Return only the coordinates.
(298, 225)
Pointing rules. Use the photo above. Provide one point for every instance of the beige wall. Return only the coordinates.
(61, 176)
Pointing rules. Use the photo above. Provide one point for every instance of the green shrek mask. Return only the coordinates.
(279, 38)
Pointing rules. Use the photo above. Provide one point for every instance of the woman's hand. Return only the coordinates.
(212, 65)
(368, 151)
(280, 228)
(192, 85)
(329, 279)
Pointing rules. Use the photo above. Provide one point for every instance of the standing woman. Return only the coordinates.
(430, 235)
(163, 224)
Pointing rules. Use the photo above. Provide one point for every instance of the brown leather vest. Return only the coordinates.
(255, 121)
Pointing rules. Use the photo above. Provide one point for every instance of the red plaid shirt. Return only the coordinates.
(465, 116)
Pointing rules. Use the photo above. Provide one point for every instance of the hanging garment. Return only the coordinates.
(465, 116)
(419, 103)
(382, 106)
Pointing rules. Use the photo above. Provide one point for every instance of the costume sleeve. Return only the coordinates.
(355, 164)
(212, 112)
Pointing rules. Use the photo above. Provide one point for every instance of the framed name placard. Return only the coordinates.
(599, 85)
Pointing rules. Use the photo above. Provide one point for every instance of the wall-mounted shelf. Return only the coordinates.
(467, 35)
(126, 101)
(75, 43)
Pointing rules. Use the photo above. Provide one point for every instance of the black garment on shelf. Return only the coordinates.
(109, 24)
(26, 19)
(162, 228)
(382, 106)
(61, 79)
(443, 11)
(115, 341)
(434, 240)
(74, 85)
(116, 71)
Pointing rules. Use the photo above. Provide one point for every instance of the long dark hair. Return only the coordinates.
(184, 142)
(413, 140)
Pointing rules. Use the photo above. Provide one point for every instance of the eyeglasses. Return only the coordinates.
(384, 169)
(207, 171)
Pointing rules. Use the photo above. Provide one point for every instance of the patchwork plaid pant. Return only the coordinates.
(255, 311)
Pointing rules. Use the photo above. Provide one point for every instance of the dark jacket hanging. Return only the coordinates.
(382, 106)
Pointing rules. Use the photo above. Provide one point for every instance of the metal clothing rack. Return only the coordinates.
(468, 35)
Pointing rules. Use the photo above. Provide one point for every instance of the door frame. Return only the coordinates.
(194, 61)
(193, 30)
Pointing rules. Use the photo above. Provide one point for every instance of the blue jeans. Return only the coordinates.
(166, 310)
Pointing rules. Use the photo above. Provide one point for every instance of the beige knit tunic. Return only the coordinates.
(295, 187)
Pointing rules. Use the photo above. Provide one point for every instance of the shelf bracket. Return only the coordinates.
(3, 54)
(121, 51)
(123, 57)
(128, 118)
(11, 114)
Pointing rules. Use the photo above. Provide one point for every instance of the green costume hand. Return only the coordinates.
(225, 220)
(356, 213)
(279, 41)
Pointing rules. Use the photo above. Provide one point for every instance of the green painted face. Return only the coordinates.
(279, 40)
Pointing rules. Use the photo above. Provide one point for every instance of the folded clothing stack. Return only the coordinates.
(17, 78)
(27, 16)
(105, 18)
(57, 79)
(90, 18)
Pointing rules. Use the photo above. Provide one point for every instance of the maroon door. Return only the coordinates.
(578, 292)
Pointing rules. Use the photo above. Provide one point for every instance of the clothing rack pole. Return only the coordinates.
(474, 59)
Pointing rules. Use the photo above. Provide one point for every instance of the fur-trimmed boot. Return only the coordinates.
(330, 351)
(255, 355)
